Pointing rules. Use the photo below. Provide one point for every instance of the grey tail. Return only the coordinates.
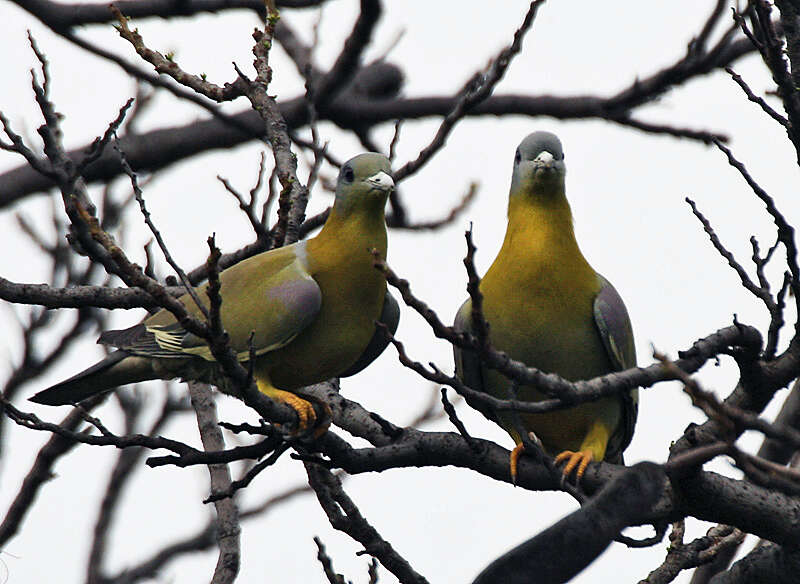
(96, 379)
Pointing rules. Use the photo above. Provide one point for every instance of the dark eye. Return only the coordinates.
(347, 174)
(563, 156)
(517, 157)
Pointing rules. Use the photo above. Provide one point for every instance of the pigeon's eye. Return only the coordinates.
(563, 156)
(347, 174)
(517, 157)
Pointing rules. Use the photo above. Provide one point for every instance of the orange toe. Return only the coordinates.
(513, 461)
(579, 459)
(306, 416)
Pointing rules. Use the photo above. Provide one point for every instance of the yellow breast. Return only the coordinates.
(353, 291)
(538, 300)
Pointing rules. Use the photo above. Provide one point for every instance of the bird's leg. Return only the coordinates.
(306, 417)
(592, 448)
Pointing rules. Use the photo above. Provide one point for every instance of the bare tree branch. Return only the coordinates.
(681, 556)
(228, 529)
(476, 90)
(585, 532)
(345, 516)
(41, 471)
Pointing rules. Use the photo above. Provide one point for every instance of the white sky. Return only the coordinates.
(626, 190)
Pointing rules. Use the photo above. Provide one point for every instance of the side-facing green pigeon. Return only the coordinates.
(310, 306)
(548, 308)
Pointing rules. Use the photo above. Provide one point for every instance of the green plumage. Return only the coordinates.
(548, 308)
(310, 306)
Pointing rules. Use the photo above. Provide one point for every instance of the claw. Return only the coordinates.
(580, 459)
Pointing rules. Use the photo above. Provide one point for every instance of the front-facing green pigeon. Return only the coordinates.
(548, 308)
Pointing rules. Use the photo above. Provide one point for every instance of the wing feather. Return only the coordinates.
(614, 325)
(468, 365)
(271, 296)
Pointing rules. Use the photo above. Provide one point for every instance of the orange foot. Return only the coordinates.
(579, 459)
(307, 422)
(306, 416)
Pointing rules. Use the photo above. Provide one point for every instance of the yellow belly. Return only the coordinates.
(329, 346)
(556, 333)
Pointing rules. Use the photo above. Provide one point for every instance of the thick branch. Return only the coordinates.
(228, 529)
(767, 563)
(585, 532)
(63, 17)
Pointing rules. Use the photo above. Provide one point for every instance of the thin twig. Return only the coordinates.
(137, 192)
(327, 564)
(785, 230)
(782, 120)
(477, 89)
(345, 516)
(453, 417)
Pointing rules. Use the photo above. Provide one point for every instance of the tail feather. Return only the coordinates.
(119, 368)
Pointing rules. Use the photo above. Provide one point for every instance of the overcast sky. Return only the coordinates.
(627, 193)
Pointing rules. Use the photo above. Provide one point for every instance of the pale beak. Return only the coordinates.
(544, 161)
(381, 181)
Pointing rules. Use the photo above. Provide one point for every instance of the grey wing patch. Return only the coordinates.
(290, 302)
(298, 300)
(621, 438)
(614, 326)
(389, 317)
(468, 365)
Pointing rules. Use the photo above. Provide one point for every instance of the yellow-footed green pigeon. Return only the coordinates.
(311, 307)
(548, 308)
